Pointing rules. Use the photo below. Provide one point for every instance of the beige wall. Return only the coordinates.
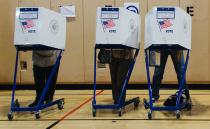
(89, 40)
(72, 65)
(199, 57)
(209, 34)
(7, 50)
(77, 62)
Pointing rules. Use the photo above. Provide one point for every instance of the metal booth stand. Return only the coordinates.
(171, 29)
(26, 28)
(120, 103)
(117, 28)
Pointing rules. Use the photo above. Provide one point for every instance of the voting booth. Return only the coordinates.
(166, 28)
(38, 28)
(116, 28)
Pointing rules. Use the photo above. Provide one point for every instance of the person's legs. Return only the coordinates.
(178, 61)
(177, 57)
(113, 74)
(158, 74)
(39, 80)
(52, 86)
(122, 70)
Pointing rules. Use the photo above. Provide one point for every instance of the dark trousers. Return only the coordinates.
(118, 70)
(41, 75)
(178, 62)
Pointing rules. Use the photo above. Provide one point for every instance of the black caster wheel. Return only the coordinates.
(60, 104)
(149, 115)
(178, 114)
(37, 114)
(136, 104)
(120, 112)
(10, 116)
(17, 104)
(94, 112)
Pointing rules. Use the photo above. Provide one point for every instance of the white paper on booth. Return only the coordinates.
(68, 11)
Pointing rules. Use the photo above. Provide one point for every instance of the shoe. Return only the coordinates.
(187, 94)
(115, 102)
(47, 101)
(184, 99)
(154, 99)
(33, 104)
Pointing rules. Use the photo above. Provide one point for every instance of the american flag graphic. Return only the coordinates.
(28, 24)
(165, 24)
(108, 24)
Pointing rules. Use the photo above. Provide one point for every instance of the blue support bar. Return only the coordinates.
(14, 80)
(127, 78)
(172, 108)
(125, 84)
(106, 106)
(94, 86)
(41, 100)
(183, 79)
(163, 108)
(40, 104)
(17, 109)
(148, 78)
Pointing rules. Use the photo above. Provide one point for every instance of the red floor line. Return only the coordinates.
(78, 107)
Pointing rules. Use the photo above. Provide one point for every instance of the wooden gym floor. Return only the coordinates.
(77, 112)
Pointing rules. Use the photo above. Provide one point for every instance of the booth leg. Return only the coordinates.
(120, 104)
(10, 114)
(41, 100)
(94, 86)
(182, 82)
(148, 80)
(149, 105)
(136, 100)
